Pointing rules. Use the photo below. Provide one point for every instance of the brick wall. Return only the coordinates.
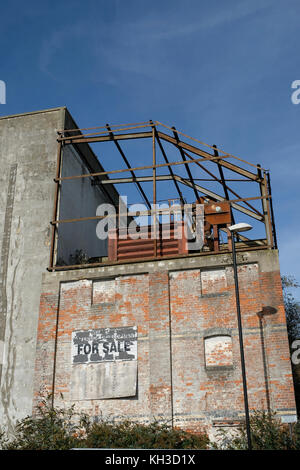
(188, 366)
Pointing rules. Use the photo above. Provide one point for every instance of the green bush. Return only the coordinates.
(63, 429)
(141, 436)
(49, 429)
(267, 433)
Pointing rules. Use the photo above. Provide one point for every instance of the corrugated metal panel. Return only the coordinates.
(168, 243)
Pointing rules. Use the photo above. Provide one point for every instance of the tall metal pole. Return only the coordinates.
(154, 191)
(238, 309)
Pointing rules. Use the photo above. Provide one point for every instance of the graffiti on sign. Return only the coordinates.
(105, 344)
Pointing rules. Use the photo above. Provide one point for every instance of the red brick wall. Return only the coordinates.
(179, 314)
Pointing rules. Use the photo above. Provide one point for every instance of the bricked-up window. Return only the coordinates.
(213, 281)
(103, 291)
(218, 351)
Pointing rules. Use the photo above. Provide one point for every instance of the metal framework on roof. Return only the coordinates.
(191, 152)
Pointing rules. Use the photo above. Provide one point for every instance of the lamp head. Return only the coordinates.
(242, 227)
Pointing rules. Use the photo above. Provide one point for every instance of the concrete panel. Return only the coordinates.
(104, 380)
(28, 148)
(28, 154)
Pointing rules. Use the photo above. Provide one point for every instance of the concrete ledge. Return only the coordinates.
(267, 260)
(10, 116)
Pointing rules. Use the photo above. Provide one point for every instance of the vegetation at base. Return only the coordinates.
(292, 307)
(63, 429)
(267, 433)
(292, 312)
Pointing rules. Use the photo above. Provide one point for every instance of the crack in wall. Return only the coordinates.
(5, 253)
(6, 238)
(8, 377)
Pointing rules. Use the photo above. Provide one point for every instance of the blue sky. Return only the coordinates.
(219, 71)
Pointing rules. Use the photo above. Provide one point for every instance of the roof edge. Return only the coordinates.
(34, 112)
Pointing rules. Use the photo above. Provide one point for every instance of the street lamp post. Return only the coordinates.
(234, 229)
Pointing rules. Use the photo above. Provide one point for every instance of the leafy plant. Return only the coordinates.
(49, 429)
(267, 433)
(292, 307)
(62, 429)
(127, 434)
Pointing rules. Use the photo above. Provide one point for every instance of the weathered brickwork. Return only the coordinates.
(188, 367)
(218, 351)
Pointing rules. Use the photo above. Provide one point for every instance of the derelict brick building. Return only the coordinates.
(143, 328)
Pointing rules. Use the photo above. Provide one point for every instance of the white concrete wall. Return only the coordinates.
(27, 168)
(28, 154)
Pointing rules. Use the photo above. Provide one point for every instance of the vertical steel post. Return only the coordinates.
(238, 309)
(272, 212)
(55, 206)
(265, 206)
(154, 190)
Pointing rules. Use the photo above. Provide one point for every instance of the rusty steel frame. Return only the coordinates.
(55, 207)
(151, 212)
(169, 167)
(112, 133)
(222, 181)
(128, 166)
(186, 165)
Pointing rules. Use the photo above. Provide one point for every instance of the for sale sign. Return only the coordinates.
(104, 344)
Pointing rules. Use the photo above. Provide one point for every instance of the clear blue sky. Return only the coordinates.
(220, 71)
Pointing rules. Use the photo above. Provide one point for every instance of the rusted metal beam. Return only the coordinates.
(208, 156)
(169, 167)
(272, 212)
(264, 194)
(154, 189)
(227, 187)
(206, 145)
(55, 205)
(266, 204)
(203, 190)
(124, 170)
(166, 137)
(104, 138)
(135, 135)
(186, 165)
(140, 179)
(221, 198)
(128, 166)
(119, 127)
(220, 168)
(146, 178)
